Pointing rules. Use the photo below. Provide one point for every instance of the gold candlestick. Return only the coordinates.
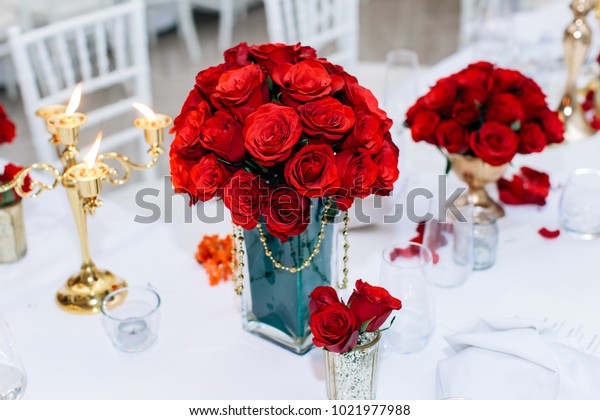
(83, 292)
(576, 42)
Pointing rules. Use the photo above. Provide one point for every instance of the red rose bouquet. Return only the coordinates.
(486, 112)
(337, 327)
(273, 127)
(7, 135)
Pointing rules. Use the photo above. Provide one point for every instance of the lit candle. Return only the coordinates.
(89, 175)
(153, 126)
(66, 124)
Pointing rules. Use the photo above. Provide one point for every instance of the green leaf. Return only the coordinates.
(516, 126)
(365, 324)
(448, 165)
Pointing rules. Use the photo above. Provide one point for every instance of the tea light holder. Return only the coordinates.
(83, 292)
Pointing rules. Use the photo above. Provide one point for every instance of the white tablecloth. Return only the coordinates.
(202, 351)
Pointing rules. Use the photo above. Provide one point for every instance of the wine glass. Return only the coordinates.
(492, 32)
(401, 83)
(580, 204)
(405, 274)
(13, 380)
(450, 239)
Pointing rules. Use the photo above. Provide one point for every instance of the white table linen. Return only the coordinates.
(513, 358)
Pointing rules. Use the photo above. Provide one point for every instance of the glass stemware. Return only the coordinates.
(13, 380)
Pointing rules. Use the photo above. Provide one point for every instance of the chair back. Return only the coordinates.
(329, 26)
(107, 50)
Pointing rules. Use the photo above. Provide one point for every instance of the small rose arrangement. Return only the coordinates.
(487, 112)
(337, 327)
(274, 126)
(7, 135)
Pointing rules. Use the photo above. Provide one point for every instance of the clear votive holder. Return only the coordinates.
(132, 324)
(485, 238)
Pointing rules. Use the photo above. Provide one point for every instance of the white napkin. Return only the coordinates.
(516, 358)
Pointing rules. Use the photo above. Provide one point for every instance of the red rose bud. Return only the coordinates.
(372, 304)
(549, 234)
(357, 173)
(442, 95)
(321, 297)
(271, 132)
(532, 138)
(335, 328)
(207, 81)
(312, 171)
(270, 56)
(505, 109)
(181, 178)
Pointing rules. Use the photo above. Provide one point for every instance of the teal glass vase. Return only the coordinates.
(275, 301)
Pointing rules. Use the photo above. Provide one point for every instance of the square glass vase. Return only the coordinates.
(274, 300)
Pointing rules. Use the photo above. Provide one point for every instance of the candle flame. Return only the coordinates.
(90, 157)
(74, 101)
(146, 111)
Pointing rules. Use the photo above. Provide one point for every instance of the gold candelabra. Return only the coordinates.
(576, 42)
(84, 291)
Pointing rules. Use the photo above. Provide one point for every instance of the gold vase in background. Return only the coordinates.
(576, 42)
(477, 174)
(13, 243)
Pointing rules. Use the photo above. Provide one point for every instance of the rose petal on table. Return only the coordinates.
(549, 234)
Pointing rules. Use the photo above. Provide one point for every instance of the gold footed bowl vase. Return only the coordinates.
(477, 174)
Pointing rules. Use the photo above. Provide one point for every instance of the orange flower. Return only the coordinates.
(215, 255)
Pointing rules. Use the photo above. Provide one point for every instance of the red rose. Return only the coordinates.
(413, 111)
(207, 80)
(7, 128)
(466, 114)
(452, 136)
(533, 139)
(335, 328)
(367, 136)
(306, 81)
(209, 177)
(181, 175)
(387, 162)
(271, 132)
(242, 91)
(243, 196)
(528, 187)
(495, 143)
(363, 98)
(237, 56)
(187, 131)
(442, 95)
(271, 55)
(508, 81)
(326, 119)
(553, 126)
(475, 82)
(532, 99)
(505, 109)
(372, 304)
(312, 171)
(424, 126)
(357, 173)
(321, 297)
(223, 135)
(287, 213)
(192, 101)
